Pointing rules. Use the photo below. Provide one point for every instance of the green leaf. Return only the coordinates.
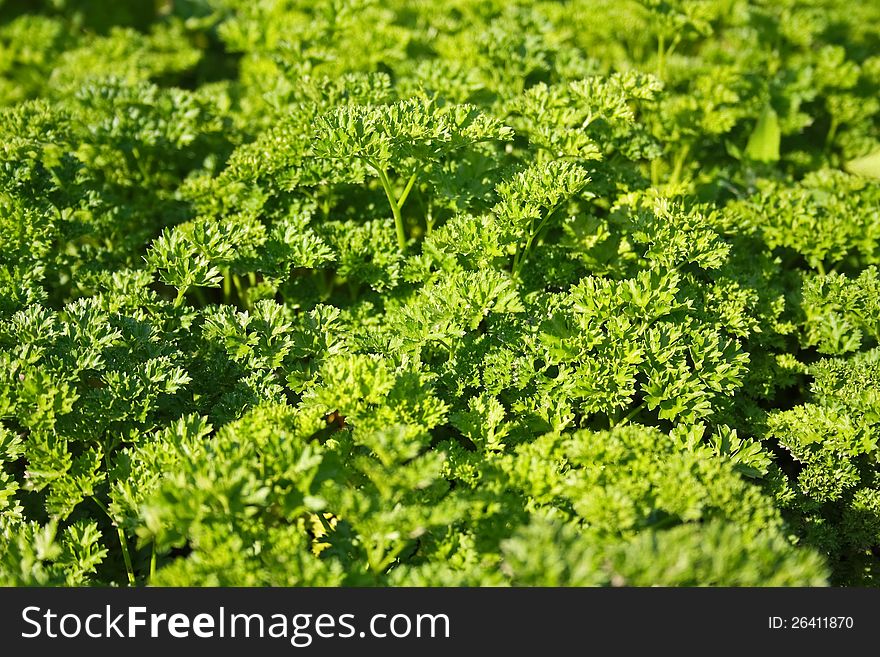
(763, 145)
(867, 166)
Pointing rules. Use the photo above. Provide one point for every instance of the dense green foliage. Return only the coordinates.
(454, 292)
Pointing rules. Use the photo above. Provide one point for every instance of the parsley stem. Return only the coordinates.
(153, 561)
(661, 56)
(832, 132)
(680, 159)
(395, 208)
(406, 190)
(520, 256)
(227, 286)
(126, 556)
(241, 291)
(383, 556)
(629, 416)
(429, 218)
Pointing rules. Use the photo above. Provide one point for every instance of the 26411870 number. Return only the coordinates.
(811, 623)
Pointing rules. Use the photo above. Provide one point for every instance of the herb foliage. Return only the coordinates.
(439, 293)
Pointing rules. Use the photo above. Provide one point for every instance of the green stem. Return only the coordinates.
(236, 281)
(520, 257)
(661, 56)
(445, 344)
(395, 208)
(153, 562)
(655, 172)
(832, 132)
(227, 286)
(671, 49)
(630, 415)
(406, 190)
(680, 159)
(126, 556)
(382, 559)
(325, 204)
(429, 218)
(139, 163)
(178, 300)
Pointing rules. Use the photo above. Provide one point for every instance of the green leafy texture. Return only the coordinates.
(407, 138)
(547, 554)
(827, 218)
(440, 294)
(833, 441)
(842, 312)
